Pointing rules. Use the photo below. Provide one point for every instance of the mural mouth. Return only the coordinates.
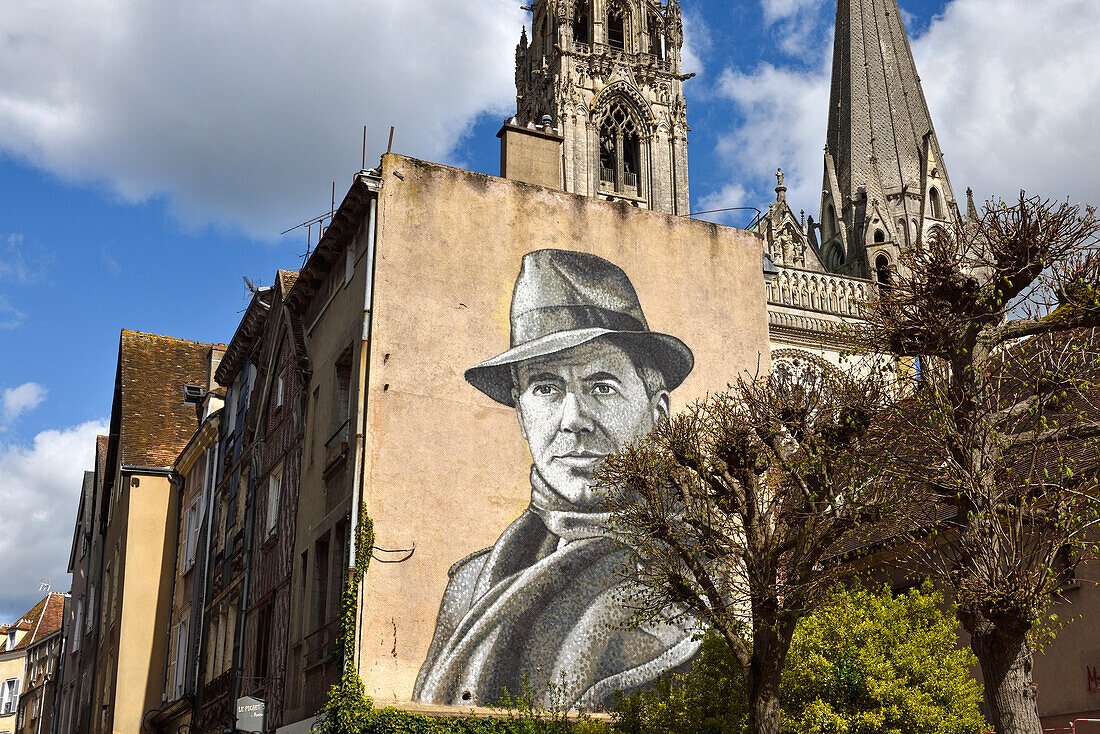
(581, 459)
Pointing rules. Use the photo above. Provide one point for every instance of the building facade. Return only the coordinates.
(29, 653)
(153, 417)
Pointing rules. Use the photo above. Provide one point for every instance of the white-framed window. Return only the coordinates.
(78, 626)
(9, 643)
(181, 657)
(190, 537)
(9, 697)
(274, 489)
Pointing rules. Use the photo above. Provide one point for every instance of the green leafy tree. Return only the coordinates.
(865, 663)
(878, 664)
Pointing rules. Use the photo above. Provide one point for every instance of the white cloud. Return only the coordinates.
(38, 504)
(241, 113)
(23, 262)
(730, 195)
(10, 317)
(18, 400)
(775, 10)
(1014, 89)
(784, 114)
(697, 43)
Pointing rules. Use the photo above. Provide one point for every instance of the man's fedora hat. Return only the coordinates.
(563, 299)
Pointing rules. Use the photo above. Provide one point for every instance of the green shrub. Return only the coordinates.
(865, 663)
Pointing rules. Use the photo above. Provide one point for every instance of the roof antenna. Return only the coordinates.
(44, 585)
(249, 284)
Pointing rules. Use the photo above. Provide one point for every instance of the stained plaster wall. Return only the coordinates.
(446, 468)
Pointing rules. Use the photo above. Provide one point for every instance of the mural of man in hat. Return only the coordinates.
(545, 604)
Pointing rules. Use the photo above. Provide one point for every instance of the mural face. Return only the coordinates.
(577, 407)
(547, 603)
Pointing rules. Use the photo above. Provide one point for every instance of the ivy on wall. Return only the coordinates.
(348, 710)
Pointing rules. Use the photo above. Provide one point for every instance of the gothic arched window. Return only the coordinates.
(656, 36)
(618, 25)
(581, 21)
(880, 236)
(620, 150)
(934, 201)
(882, 271)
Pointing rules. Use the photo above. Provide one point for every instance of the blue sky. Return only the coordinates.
(151, 153)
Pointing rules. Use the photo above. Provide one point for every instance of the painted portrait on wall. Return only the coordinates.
(586, 376)
(519, 335)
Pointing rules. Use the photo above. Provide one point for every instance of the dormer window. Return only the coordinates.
(193, 394)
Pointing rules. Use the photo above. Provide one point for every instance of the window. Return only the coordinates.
(935, 204)
(580, 21)
(212, 649)
(880, 236)
(230, 413)
(301, 596)
(78, 624)
(342, 406)
(656, 36)
(9, 696)
(618, 23)
(279, 383)
(10, 642)
(620, 150)
(263, 641)
(181, 658)
(190, 536)
(193, 394)
(882, 271)
(274, 487)
(90, 617)
(320, 582)
(114, 588)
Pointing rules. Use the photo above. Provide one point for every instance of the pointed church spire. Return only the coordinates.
(881, 142)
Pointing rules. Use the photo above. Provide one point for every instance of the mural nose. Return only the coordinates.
(574, 415)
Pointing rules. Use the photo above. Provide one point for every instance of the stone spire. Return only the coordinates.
(885, 182)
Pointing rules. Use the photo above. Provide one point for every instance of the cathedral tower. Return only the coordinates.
(607, 73)
(885, 183)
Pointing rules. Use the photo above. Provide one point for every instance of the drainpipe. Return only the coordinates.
(177, 479)
(360, 423)
(199, 612)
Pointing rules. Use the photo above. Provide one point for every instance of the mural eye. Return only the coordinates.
(543, 390)
(603, 388)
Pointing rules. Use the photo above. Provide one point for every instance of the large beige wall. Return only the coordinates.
(447, 469)
(145, 597)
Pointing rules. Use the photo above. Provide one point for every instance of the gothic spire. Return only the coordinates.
(881, 144)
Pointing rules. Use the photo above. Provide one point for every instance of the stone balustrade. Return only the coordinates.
(822, 292)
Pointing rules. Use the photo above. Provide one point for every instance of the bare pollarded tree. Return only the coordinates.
(999, 438)
(734, 506)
